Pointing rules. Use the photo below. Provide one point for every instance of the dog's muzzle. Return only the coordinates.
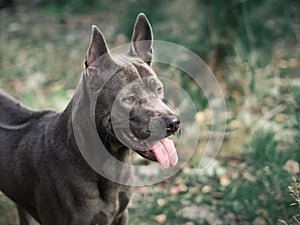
(172, 124)
(151, 140)
(163, 126)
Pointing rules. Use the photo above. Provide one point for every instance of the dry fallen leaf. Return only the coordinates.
(259, 221)
(177, 189)
(235, 124)
(225, 180)
(206, 189)
(189, 223)
(291, 166)
(161, 218)
(161, 202)
(194, 190)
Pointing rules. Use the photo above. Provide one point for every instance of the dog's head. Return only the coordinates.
(130, 103)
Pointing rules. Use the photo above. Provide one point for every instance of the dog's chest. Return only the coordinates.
(110, 210)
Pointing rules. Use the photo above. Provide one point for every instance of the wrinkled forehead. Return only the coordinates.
(134, 75)
(133, 68)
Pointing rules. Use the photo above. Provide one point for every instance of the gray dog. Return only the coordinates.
(41, 166)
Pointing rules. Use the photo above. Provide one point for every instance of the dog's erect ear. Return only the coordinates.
(142, 39)
(97, 48)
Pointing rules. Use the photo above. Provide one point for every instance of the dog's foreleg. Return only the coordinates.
(24, 217)
(123, 219)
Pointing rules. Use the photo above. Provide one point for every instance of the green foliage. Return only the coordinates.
(263, 148)
(58, 7)
(7, 211)
(268, 189)
(261, 191)
(295, 192)
(256, 191)
(296, 96)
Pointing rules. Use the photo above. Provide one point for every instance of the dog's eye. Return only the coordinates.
(153, 84)
(159, 89)
(129, 100)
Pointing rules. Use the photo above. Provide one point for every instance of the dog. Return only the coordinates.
(41, 166)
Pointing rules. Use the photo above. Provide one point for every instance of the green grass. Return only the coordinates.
(245, 192)
(7, 211)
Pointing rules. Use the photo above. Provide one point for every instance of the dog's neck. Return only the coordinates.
(65, 133)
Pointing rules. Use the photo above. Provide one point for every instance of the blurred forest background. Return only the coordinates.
(252, 46)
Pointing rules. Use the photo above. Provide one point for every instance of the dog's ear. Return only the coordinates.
(96, 49)
(142, 39)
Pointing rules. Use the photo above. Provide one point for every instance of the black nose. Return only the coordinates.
(172, 124)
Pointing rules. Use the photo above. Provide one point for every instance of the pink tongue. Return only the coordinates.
(165, 153)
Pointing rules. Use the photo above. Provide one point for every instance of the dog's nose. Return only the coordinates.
(172, 124)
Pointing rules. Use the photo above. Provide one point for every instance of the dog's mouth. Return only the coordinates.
(162, 151)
